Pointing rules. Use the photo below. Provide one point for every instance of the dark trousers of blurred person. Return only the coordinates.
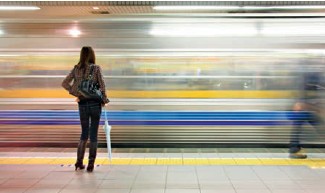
(89, 112)
(300, 119)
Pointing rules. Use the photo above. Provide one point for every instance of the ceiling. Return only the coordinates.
(136, 25)
(107, 9)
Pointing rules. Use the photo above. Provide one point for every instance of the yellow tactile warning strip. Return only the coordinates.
(313, 162)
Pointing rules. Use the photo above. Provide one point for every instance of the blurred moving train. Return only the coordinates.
(158, 98)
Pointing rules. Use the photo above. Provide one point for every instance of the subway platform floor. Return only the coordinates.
(163, 170)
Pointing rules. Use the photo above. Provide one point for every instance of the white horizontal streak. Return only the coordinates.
(153, 77)
(18, 8)
(180, 8)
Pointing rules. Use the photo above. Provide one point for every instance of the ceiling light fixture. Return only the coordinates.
(18, 8)
(96, 8)
(74, 32)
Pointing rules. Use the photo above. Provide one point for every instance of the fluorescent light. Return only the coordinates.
(184, 8)
(22, 8)
(96, 8)
(74, 32)
(1, 32)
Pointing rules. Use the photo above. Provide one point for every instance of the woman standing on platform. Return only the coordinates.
(89, 109)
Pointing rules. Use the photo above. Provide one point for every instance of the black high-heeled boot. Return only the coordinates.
(92, 156)
(80, 155)
(79, 166)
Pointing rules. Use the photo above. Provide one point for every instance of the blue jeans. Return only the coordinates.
(89, 112)
(309, 117)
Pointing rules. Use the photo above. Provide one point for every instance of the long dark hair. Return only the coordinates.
(87, 56)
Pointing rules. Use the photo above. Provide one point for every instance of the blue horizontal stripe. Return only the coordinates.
(158, 115)
(156, 123)
(61, 117)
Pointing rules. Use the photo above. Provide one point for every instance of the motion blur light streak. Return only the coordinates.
(195, 30)
(239, 30)
(281, 7)
(168, 89)
(309, 29)
(195, 7)
(183, 8)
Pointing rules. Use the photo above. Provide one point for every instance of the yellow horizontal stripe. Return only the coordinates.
(313, 163)
(197, 94)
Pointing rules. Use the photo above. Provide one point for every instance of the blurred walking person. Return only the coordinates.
(306, 110)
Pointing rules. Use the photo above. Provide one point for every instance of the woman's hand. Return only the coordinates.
(77, 100)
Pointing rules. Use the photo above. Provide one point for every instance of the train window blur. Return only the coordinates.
(230, 72)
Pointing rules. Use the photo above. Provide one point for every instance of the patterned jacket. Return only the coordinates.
(77, 75)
